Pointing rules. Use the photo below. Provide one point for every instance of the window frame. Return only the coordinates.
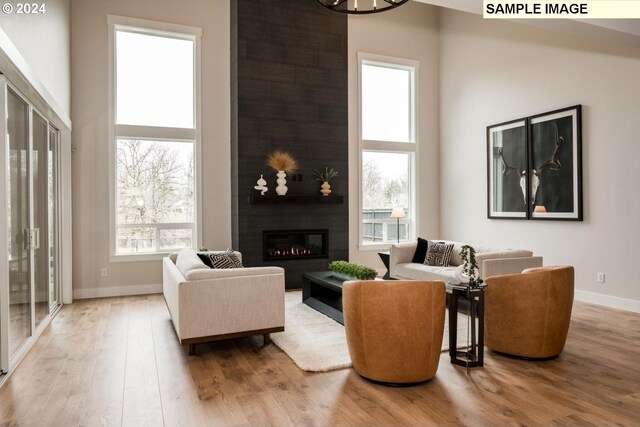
(117, 131)
(411, 148)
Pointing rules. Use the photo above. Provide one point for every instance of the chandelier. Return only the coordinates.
(361, 6)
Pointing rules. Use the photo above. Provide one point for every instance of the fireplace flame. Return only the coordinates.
(292, 251)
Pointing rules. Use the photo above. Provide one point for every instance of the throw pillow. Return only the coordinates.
(227, 259)
(439, 254)
(206, 258)
(421, 251)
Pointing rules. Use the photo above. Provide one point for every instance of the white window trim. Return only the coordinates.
(388, 146)
(144, 26)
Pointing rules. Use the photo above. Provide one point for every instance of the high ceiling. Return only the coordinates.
(619, 31)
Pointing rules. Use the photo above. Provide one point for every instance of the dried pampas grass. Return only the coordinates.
(281, 161)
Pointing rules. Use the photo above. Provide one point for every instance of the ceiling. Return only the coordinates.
(619, 31)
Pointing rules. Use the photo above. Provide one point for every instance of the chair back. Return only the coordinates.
(394, 328)
(528, 314)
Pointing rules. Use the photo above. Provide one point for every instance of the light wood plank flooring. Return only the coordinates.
(116, 361)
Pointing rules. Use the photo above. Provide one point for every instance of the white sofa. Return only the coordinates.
(208, 304)
(491, 262)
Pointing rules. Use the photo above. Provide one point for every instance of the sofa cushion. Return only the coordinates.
(421, 251)
(227, 259)
(187, 259)
(438, 254)
(414, 271)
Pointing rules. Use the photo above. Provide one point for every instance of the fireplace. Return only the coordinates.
(295, 244)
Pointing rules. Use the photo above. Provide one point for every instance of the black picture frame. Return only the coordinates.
(555, 166)
(537, 158)
(507, 165)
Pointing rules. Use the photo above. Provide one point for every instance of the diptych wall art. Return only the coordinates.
(534, 167)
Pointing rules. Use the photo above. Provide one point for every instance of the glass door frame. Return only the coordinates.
(8, 361)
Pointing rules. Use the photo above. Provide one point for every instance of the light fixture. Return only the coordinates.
(398, 213)
(361, 6)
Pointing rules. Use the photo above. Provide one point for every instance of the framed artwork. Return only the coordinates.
(556, 164)
(507, 157)
(534, 167)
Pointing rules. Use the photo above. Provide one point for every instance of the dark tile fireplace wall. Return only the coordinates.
(289, 92)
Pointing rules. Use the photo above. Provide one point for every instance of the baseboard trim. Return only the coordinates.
(608, 301)
(117, 291)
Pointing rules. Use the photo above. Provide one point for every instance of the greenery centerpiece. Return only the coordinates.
(470, 266)
(324, 176)
(353, 271)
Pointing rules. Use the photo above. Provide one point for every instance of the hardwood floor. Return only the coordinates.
(116, 361)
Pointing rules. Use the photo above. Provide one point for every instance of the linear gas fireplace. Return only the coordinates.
(295, 244)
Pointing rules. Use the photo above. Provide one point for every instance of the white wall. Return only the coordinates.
(493, 71)
(44, 42)
(90, 137)
(409, 32)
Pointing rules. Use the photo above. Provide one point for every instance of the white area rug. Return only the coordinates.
(317, 343)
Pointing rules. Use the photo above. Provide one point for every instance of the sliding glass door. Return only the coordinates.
(29, 291)
(18, 196)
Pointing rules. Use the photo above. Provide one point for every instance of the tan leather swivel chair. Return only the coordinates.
(394, 329)
(528, 314)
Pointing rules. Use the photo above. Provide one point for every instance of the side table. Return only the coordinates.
(473, 356)
(384, 256)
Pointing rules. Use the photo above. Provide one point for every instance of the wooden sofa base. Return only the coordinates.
(191, 342)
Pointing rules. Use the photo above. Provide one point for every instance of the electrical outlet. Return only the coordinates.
(103, 272)
(600, 277)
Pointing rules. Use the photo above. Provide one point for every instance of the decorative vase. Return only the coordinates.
(262, 186)
(325, 189)
(281, 189)
(462, 277)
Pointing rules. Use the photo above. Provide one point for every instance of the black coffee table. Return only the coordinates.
(323, 292)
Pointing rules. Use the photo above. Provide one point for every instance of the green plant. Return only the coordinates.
(326, 175)
(203, 249)
(355, 270)
(468, 255)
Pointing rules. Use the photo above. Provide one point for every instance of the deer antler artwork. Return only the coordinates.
(506, 170)
(552, 163)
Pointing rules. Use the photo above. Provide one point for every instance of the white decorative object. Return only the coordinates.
(262, 186)
(461, 275)
(281, 189)
(325, 189)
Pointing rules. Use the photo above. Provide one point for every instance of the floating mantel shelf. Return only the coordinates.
(296, 199)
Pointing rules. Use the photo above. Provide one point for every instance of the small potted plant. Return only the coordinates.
(470, 266)
(347, 271)
(324, 176)
(282, 162)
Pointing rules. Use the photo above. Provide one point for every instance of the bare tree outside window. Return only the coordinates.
(155, 195)
(385, 185)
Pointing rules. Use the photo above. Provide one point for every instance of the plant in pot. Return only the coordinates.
(468, 271)
(348, 271)
(282, 162)
(324, 176)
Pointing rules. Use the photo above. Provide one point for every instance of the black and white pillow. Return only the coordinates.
(226, 259)
(438, 254)
(421, 251)
(206, 258)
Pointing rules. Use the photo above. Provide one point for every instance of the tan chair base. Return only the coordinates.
(529, 359)
(387, 384)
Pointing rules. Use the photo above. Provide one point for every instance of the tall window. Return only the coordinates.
(388, 148)
(155, 134)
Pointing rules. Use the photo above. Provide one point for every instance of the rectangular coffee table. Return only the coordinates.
(322, 292)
